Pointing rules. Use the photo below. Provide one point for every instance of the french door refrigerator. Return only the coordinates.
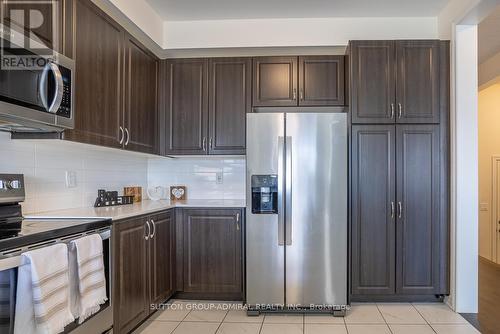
(296, 216)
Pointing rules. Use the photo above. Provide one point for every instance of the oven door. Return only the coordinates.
(100, 322)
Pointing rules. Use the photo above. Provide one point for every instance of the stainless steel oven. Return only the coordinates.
(35, 98)
(10, 260)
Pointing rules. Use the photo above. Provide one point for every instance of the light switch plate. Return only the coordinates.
(70, 179)
(219, 178)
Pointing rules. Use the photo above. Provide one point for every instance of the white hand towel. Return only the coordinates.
(42, 305)
(87, 276)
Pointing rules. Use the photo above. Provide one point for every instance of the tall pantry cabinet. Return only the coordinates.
(399, 104)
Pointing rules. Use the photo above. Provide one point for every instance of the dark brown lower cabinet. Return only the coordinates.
(130, 284)
(373, 209)
(143, 267)
(396, 241)
(418, 226)
(212, 252)
(162, 257)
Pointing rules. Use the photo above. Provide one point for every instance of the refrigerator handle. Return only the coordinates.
(281, 183)
(288, 190)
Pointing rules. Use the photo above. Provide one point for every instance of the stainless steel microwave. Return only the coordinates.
(38, 98)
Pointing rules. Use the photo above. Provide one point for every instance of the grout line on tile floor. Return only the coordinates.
(427, 322)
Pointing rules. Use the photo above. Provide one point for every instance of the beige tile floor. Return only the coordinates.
(190, 317)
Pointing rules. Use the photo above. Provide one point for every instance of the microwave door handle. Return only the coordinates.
(59, 91)
(42, 85)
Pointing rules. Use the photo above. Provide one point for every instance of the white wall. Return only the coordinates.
(199, 175)
(452, 14)
(464, 158)
(144, 16)
(293, 32)
(44, 164)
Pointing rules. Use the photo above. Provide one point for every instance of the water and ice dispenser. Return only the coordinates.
(264, 194)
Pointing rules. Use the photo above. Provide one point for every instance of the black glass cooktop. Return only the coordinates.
(28, 231)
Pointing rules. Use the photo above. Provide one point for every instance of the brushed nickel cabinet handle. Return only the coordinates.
(301, 94)
(400, 210)
(121, 135)
(146, 237)
(204, 144)
(392, 110)
(154, 229)
(295, 93)
(400, 110)
(210, 143)
(392, 210)
(128, 136)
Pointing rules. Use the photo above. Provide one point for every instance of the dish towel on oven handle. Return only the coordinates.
(88, 290)
(42, 303)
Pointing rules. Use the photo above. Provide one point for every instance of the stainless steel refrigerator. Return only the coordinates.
(296, 216)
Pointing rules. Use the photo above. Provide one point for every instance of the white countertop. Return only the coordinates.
(136, 209)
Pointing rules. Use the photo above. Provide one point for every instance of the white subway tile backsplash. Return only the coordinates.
(44, 164)
(199, 176)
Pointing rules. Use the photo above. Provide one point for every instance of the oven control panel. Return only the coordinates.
(11, 188)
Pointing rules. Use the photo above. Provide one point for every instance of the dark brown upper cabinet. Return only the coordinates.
(298, 81)
(56, 29)
(321, 81)
(116, 80)
(99, 78)
(141, 71)
(230, 101)
(372, 81)
(205, 102)
(394, 81)
(417, 86)
(373, 199)
(212, 248)
(186, 106)
(275, 81)
(419, 258)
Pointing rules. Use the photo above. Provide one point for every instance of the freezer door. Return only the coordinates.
(265, 260)
(316, 209)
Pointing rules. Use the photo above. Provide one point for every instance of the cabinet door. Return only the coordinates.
(418, 251)
(321, 81)
(373, 209)
(98, 78)
(141, 68)
(131, 256)
(417, 81)
(274, 81)
(186, 107)
(372, 66)
(212, 252)
(230, 100)
(162, 257)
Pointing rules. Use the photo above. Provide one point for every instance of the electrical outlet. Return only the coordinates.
(70, 179)
(484, 206)
(219, 178)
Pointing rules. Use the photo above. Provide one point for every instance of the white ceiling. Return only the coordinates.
(182, 10)
(489, 36)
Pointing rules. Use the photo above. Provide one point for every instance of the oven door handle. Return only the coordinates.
(59, 89)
